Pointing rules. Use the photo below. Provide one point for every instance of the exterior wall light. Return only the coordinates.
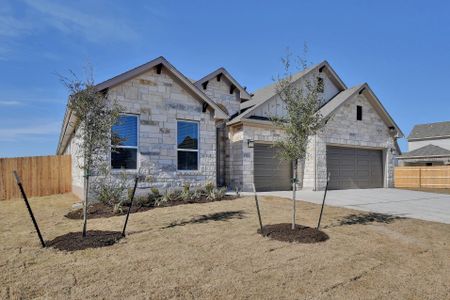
(251, 143)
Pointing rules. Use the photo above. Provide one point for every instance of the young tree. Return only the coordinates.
(302, 120)
(94, 115)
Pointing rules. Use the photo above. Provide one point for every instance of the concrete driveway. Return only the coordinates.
(412, 204)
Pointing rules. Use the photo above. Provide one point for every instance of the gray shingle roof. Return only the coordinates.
(428, 150)
(430, 130)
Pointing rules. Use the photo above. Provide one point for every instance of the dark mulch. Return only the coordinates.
(220, 216)
(74, 241)
(101, 210)
(301, 234)
(365, 218)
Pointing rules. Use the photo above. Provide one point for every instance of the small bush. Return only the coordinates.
(155, 191)
(209, 188)
(111, 189)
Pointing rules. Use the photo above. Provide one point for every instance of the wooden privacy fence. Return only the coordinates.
(437, 177)
(40, 175)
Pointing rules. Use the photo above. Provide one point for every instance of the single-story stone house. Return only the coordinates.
(181, 131)
(428, 145)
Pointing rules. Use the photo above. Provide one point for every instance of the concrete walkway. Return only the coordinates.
(412, 204)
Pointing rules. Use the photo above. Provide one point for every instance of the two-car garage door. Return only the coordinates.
(349, 168)
(354, 168)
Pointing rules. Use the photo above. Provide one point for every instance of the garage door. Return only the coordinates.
(353, 168)
(270, 172)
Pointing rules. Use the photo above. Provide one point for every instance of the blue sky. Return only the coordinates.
(400, 48)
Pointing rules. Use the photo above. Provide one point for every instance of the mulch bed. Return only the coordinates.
(101, 210)
(74, 241)
(301, 234)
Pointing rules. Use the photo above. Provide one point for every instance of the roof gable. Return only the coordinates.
(161, 61)
(69, 119)
(331, 106)
(431, 130)
(263, 95)
(222, 71)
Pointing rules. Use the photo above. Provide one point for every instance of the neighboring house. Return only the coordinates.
(428, 145)
(212, 130)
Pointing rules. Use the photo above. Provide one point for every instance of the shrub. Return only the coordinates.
(155, 191)
(197, 195)
(216, 194)
(209, 188)
(111, 189)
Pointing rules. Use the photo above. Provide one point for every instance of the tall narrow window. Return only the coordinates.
(359, 112)
(187, 145)
(125, 134)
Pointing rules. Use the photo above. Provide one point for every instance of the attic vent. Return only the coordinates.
(158, 69)
(219, 76)
(205, 85)
(359, 112)
(320, 85)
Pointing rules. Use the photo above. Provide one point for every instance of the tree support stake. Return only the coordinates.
(131, 205)
(19, 183)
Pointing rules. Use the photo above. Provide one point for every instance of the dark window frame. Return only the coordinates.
(127, 147)
(197, 123)
(359, 113)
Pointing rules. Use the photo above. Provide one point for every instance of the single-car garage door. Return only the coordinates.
(354, 168)
(270, 172)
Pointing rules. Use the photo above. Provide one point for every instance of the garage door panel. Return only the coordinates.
(270, 172)
(354, 168)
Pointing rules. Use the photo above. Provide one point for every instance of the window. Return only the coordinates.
(124, 153)
(187, 145)
(358, 112)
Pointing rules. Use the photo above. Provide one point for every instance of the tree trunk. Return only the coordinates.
(294, 189)
(85, 206)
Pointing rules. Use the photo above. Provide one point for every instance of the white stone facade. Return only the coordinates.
(160, 101)
(343, 129)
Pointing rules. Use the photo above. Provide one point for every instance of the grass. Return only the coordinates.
(212, 251)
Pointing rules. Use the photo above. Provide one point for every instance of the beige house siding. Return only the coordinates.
(443, 143)
(276, 107)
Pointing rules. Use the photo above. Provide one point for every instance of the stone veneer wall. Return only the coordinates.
(160, 100)
(243, 156)
(219, 92)
(77, 172)
(343, 129)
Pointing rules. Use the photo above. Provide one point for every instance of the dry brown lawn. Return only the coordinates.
(222, 259)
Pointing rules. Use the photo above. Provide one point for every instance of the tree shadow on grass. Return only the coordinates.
(220, 216)
(366, 218)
